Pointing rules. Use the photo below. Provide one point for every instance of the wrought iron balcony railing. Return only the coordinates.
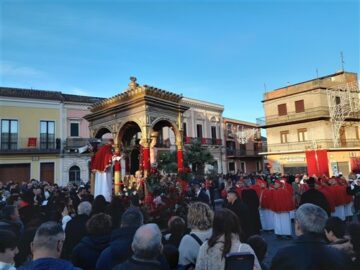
(242, 152)
(308, 114)
(203, 141)
(308, 145)
(30, 145)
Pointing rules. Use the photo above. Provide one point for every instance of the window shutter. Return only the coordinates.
(282, 109)
(299, 106)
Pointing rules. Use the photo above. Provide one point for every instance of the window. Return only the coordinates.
(231, 166)
(47, 134)
(302, 135)
(242, 149)
(357, 133)
(243, 167)
(228, 126)
(9, 134)
(199, 131)
(184, 130)
(299, 106)
(258, 166)
(74, 174)
(230, 145)
(337, 100)
(284, 136)
(213, 132)
(282, 109)
(74, 129)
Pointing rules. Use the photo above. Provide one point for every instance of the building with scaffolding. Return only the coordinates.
(314, 126)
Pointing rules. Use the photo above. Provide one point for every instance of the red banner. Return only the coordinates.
(355, 164)
(323, 163)
(311, 162)
(317, 162)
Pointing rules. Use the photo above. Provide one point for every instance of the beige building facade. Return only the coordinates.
(304, 118)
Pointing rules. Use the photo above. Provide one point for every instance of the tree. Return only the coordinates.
(198, 156)
(167, 161)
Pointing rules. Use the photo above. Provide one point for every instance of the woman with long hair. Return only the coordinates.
(199, 220)
(225, 239)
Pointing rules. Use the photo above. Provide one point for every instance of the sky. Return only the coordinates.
(225, 52)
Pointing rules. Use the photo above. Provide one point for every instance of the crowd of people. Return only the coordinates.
(44, 226)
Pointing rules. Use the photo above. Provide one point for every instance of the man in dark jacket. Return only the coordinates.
(46, 249)
(10, 220)
(354, 190)
(86, 253)
(235, 204)
(146, 247)
(76, 229)
(314, 196)
(199, 194)
(309, 250)
(251, 199)
(121, 239)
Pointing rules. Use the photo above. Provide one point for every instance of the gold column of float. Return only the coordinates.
(117, 170)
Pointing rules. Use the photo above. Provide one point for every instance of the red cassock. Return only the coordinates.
(326, 190)
(266, 198)
(224, 193)
(239, 191)
(346, 197)
(339, 193)
(282, 200)
(289, 188)
(102, 158)
(257, 189)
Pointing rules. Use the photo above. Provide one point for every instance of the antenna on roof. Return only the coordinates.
(342, 60)
(265, 90)
(317, 73)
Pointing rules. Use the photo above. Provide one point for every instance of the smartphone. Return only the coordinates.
(239, 260)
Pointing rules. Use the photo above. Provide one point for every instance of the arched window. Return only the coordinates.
(74, 174)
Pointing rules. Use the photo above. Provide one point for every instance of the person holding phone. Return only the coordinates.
(216, 253)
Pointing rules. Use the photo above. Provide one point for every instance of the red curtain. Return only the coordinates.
(355, 164)
(323, 164)
(311, 162)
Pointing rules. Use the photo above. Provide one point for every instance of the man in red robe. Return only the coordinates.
(282, 205)
(101, 165)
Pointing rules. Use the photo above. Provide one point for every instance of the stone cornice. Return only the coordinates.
(202, 104)
(136, 93)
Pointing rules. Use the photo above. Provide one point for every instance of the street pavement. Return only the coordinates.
(274, 244)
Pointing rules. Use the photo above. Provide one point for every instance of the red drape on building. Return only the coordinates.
(317, 162)
(311, 162)
(355, 164)
(323, 164)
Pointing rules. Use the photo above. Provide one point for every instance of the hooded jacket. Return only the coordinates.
(119, 249)
(86, 253)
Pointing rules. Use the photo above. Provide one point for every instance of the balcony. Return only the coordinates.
(307, 145)
(77, 145)
(31, 145)
(203, 141)
(242, 152)
(318, 113)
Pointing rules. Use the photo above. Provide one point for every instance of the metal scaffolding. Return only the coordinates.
(344, 103)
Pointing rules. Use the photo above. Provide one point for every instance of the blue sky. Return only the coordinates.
(219, 51)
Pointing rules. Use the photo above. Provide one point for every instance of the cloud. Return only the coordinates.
(78, 91)
(12, 69)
